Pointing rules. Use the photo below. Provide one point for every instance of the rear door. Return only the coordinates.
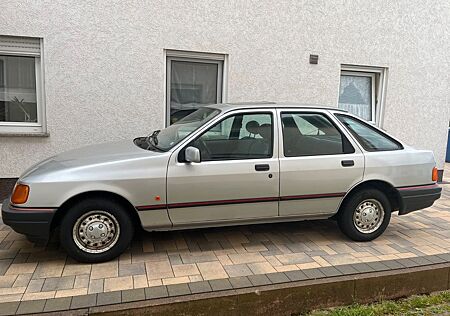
(319, 163)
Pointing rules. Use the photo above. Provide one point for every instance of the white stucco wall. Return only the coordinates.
(105, 67)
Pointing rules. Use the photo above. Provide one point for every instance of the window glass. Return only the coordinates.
(355, 94)
(253, 121)
(370, 138)
(17, 89)
(167, 138)
(310, 134)
(242, 136)
(192, 84)
(305, 127)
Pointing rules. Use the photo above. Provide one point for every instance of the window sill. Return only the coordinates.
(24, 134)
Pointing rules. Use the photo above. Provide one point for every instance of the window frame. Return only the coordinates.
(2, 76)
(180, 156)
(329, 118)
(375, 128)
(38, 128)
(221, 60)
(378, 86)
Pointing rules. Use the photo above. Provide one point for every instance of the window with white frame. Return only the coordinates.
(361, 91)
(193, 80)
(21, 84)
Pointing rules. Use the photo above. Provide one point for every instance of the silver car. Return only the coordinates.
(221, 165)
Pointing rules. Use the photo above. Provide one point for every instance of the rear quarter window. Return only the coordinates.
(370, 138)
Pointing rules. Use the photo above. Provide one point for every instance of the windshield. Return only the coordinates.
(167, 138)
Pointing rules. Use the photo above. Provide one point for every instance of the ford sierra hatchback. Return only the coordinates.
(224, 164)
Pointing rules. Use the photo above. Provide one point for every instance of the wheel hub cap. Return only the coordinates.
(96, 231)
(368, 216)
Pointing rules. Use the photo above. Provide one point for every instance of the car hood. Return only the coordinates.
(105, 151)
(91, 156)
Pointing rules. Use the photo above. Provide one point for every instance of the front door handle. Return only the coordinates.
(347, 163)
(262, 167)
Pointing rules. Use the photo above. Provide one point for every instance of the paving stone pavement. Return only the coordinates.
(162, 264)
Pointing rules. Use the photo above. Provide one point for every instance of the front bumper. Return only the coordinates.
(418, 197)
(35, 223)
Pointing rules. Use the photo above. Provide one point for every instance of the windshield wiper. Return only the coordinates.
(152, 140)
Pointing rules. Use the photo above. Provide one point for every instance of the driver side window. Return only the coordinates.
(241, 136)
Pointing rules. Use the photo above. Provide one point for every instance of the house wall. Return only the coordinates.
(105, 66)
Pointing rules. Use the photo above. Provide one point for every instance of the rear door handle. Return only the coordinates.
(347, 163)
(262, 167)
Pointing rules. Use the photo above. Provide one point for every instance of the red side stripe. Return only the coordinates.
(223, 202)
(151, 207)
(312, 196)
(32, 209)
(240, 201)
(419, 187)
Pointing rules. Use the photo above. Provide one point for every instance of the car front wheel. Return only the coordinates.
(365, 215)
(96, 230)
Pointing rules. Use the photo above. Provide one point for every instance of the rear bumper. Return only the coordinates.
(35, 223)
(414, 198)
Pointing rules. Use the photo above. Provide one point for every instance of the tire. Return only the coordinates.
(358, 219)
(96, 230)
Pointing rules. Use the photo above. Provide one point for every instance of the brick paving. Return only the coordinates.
(164, 264)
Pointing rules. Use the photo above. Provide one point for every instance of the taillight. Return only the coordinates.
(434, 174)
(20, 194)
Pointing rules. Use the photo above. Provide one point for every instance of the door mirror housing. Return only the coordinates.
(192, 154)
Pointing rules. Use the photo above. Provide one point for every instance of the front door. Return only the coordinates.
(237, 178)
(318, 164)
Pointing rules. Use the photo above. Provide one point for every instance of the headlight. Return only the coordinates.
(20, 193)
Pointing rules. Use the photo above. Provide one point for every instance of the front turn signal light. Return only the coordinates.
(434, 174)
(20, 194)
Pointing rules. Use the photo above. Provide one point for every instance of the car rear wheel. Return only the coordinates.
(365, 215)
(96, 230)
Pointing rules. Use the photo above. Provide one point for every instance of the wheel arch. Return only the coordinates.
(101, 194)
(387, 188)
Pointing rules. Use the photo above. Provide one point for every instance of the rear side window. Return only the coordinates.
(369, 137)
(311, 134)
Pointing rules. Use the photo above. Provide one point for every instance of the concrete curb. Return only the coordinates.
(296, 297)
(276, 293)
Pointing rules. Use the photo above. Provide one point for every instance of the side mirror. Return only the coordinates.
(192, 154)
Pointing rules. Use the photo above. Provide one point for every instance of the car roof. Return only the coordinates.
(266, 104)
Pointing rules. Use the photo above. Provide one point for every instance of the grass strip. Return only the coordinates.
(433, 304)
